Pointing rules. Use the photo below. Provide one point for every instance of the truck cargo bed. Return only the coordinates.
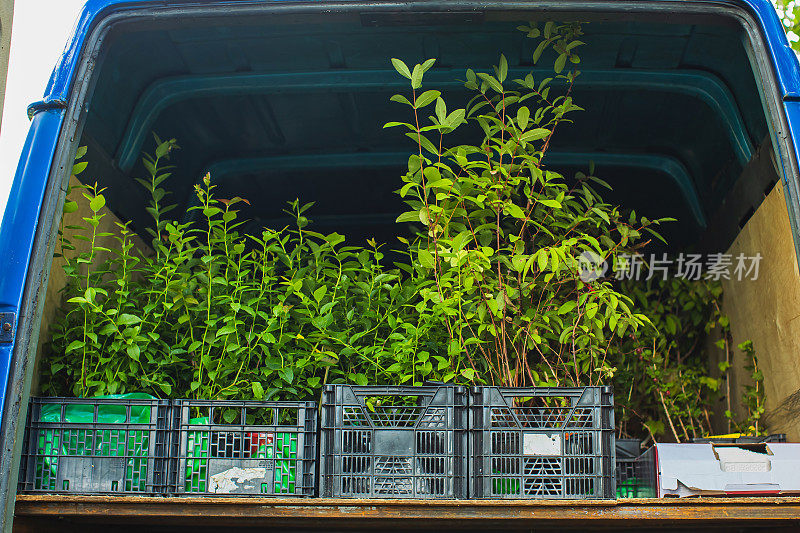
(43, 513)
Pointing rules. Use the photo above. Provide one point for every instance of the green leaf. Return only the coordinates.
(74, 345)
(534, 134)
(502, 70)
(602, 214)
(515, 211)
(453, 348)
(426, 258)
(559, 64)
(322, 322)
(286, 374)
(162, 149)
(468, 373)
(399, 98)
(127, 320)
(401, 67)
(258, 390)
(426, 143)
(426, 98)
(225, 330)
(441, 110)
(573, 44)
(81, 152)
(523, 115)
(541, 259)
(548, 202)
(567, 307)
(491, 81)
(77, 168)
(455, 119)
(409, 216)
(395, 124)
(538, 52)
(133, 351)
(97, 203)
(319, 294)
(656, 427)
(416, 77)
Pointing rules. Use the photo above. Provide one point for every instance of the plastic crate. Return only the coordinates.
(394, 442)
(96, 446)
(645, 472)
(241, 448)
(530, 443)
(629, 482)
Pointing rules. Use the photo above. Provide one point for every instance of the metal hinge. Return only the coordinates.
(43, 105)
(7, 323)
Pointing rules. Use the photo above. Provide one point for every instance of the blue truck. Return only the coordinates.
(693, 112)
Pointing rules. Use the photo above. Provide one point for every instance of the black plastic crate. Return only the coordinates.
(542, 442)
(394, 442)
(96, 446)
(245, 448)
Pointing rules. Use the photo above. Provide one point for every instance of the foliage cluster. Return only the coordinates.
(788, 11)
(499, 253)
(212, 313)
(664, 384)
(492, 289)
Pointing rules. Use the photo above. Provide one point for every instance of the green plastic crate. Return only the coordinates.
(256, 448)
(106, 445)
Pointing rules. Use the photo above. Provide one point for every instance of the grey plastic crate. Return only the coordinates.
(245, 448)
(628, 483)
(95, 446)
(645, 471)
(529, 443)
(394, 442)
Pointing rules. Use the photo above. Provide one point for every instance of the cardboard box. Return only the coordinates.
(725, 469)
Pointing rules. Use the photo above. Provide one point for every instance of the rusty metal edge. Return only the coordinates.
(340, 511)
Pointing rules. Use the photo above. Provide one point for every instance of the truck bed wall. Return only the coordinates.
(58, 278)
(767, 311)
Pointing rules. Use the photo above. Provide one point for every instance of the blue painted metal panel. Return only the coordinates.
(21, 217)
(783, 58)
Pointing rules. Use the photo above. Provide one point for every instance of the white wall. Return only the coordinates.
(6, 16)
(41, 30)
